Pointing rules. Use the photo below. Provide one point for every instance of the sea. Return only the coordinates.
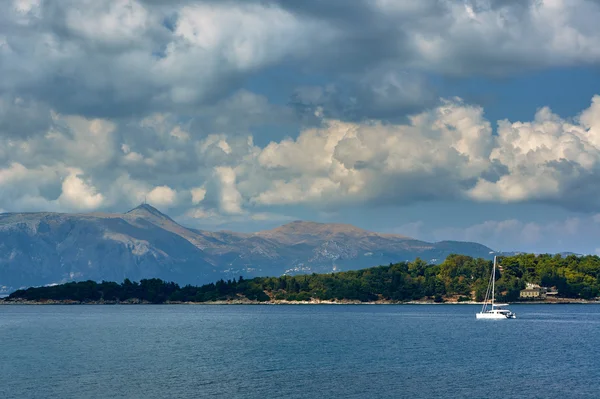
(298, 351)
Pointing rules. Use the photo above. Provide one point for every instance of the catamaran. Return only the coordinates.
(491, 310)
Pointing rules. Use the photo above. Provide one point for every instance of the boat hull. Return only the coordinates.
(494, 316)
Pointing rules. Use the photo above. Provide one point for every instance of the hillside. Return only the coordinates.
(51, 248)
(458, 278)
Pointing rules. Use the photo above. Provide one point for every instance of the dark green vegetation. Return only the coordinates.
(460, 277)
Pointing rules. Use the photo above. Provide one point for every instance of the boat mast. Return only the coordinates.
(487, 292)
(493, 282)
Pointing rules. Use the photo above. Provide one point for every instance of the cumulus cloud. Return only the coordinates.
(230, 198)
(448, 152)
(78, 194)
(103, 103)
(549, 159)
(163, 196)
(198, 194)
(494, 37)
(27, 189)
(23, 188)
(438, 154)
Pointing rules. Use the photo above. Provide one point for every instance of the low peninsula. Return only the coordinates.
(459, 279)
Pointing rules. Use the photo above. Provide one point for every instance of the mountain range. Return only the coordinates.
(51, 248)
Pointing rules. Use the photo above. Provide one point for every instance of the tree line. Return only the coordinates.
(459, 276)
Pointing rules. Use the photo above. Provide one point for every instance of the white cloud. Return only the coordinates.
(148, 101)
(86, 142)
(230, 198)
(298, 191)
(443, 149)
(78, 194)
(198, 194)
(494, 37)
(127, 191)
(26, 11)
(200, 213)
(24, 189)
(545, 158)
(180, 134)
(117, 23)
(448, 152)
(245, 36)
(163, 196)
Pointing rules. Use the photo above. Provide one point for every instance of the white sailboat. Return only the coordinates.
(491, 310)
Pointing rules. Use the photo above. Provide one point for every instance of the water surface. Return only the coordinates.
(318, 351)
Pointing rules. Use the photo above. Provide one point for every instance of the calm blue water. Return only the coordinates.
(369, 351)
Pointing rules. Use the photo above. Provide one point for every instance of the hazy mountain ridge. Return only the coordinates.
(44, 248)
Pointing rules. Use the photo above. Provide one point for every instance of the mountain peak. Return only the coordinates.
(145, 243)
(146, 211)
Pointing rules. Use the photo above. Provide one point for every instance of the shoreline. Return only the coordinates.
(284, 302)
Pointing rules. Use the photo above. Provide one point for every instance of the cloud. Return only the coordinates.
(23, 188)
(163, 196)
(494, 232)
(230, 198)
(493, 37)
(198, 194)
(445, 153)
(449, 152)
(571, 234)
(78, 194)
(200, 213)
(385, 92)
(548, 159)
(215, 218)
(110, 59)
(439, 154)
(461, 37)
(153, 98)
(117, 58)
(28, 189)
(21, 117)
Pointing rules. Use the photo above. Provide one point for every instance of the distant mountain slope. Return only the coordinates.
(46, 248)
(42, 248)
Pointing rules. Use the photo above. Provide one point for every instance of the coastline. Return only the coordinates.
(284, 302)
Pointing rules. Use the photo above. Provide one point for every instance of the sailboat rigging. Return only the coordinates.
(491, 310)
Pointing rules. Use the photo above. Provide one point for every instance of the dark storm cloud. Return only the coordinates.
(117, 59)
(383, 94)
(23, 117)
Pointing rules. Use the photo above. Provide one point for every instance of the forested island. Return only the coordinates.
(458, 279)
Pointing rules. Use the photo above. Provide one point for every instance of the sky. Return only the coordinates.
(472, 120)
